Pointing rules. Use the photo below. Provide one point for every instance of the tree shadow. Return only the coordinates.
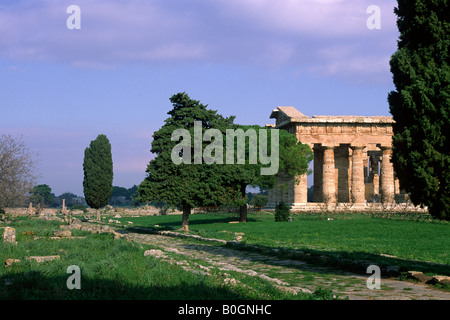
(334, 262)
(32, 285)
(343, 261)
(322, 262)
(195, 222)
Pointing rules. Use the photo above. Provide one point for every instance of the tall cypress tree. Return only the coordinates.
(420, 104)
(98, 173)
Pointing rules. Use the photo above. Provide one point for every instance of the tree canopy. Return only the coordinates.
(42, 194)
(198, 173)
(17, 171)
(186, 185)
(420, 104)
(293, 161)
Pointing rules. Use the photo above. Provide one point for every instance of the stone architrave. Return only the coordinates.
(357, 185)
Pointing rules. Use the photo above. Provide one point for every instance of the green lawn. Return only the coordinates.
(352, 236)
(110, 269)
(117, 269)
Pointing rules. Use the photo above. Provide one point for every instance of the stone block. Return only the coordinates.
(439, 280)
(9, 262)
(417, 275)
(43, 258)
(62, 233)
(155, 253)
(9, 235)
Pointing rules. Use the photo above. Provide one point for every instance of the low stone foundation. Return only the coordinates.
(353, 207)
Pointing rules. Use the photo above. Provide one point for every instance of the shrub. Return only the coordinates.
(163, 207)
(259, 200)
(79, 207)
(282, 212)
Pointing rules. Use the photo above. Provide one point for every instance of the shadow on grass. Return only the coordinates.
(335, 262)
(359, 261)
(32, 285)
(344, 261)
(195, 222)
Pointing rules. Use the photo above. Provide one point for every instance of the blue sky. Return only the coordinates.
(60, 88)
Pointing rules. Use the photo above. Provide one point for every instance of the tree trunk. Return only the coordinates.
(243, 208)
(98, 215)
(185, 219)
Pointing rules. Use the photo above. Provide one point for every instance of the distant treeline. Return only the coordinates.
(42, 195)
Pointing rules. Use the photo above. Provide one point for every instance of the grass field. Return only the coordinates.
(111, 269)
(117, 269)
(353, 237)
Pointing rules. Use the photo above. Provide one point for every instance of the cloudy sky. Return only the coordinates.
(61, 87)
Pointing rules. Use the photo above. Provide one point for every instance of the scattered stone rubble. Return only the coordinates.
(421, 277)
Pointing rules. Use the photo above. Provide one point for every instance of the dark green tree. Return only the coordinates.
(42, 194)
(294, 158)
(98, 173)
(68, 196)
(282, 212)
(117, 194)
(186, 185)
(420, 104)
(131, 192)
(259, 200)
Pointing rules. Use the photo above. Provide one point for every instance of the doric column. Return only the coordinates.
(397, 186)
(387, 175)
(301, 190)
(357, 187)
(376, 184)
(328, 176)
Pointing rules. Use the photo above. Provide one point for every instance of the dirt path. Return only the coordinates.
(285, 274)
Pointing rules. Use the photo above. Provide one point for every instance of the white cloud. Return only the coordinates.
(301, 34)
(110, 32)
(318, 18)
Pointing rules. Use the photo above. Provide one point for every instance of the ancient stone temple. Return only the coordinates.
(351, 166)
